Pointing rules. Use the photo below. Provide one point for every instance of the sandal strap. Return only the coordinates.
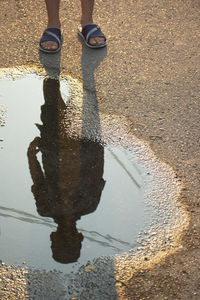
(92, 30)
(90, 33)
(52, 34)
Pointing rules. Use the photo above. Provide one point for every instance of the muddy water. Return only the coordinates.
(63, 201)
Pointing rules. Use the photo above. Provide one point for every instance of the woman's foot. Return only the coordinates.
(53, 7)
(87, 7)
(54, 22)
(50, 45)
(93, 40)
(51, 40)
(92, 36)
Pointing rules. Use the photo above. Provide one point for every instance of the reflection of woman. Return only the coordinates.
(70, 183)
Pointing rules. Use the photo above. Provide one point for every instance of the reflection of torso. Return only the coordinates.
(73, 178)
(72, 169)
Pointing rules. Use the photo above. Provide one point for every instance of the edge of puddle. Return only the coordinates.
(164, 184)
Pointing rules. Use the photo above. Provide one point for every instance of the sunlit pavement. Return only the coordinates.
(149, 74)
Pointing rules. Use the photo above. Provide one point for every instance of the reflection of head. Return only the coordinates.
(66, 244)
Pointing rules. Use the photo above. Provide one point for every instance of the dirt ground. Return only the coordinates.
(150, 74)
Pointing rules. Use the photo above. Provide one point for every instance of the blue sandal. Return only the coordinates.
(54, 35)
(91, 31)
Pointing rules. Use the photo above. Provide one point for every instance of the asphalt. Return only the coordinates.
(148, 74)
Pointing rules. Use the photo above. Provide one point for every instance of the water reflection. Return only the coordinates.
(68, 182)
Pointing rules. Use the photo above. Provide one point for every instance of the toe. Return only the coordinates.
(92, 41)
(49, 45)
(100, 40)
(97, 40)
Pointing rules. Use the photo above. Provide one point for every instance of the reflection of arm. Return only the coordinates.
(34, 166)
(39, 189)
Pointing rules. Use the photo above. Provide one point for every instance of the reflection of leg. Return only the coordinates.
(86, 18)
(53, 21)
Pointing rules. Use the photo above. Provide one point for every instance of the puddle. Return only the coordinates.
(64, 200)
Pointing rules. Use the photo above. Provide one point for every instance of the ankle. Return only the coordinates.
(85, 22)
(54, 24)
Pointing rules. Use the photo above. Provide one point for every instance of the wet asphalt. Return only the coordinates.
(149, 73)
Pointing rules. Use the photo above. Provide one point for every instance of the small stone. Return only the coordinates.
(89, 268)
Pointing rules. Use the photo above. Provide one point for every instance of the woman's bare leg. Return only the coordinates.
(53, 21)
(53, 6)
(87, 7)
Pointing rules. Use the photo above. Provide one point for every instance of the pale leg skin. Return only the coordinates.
(53, 6)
